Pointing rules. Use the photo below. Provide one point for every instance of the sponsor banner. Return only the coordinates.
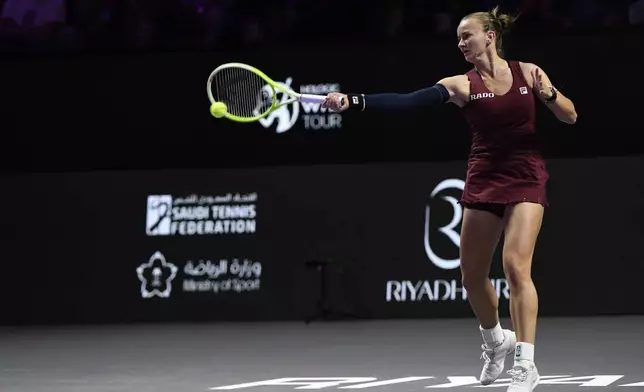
(388, 233)
(436, 290)
(229, 214)
(441, 240)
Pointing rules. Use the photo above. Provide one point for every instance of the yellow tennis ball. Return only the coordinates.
(218, 109)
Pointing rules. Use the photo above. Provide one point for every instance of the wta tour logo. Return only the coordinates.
(287, 115)
(447, 233)
(312, 115)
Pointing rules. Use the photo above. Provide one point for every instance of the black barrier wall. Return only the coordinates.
(150, 110)
(232, 244)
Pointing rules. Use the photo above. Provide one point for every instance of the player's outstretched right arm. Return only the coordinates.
(449, 89)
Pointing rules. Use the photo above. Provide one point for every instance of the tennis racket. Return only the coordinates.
(248, 94)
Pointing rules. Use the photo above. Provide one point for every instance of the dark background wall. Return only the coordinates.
(150, 110)
(72, 243)
(90, 134)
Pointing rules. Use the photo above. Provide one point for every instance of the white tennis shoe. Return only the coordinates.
(525, 377)
(495, 357)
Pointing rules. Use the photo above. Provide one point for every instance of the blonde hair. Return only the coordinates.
(494, 21)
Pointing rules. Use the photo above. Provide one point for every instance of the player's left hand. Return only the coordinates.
(545, 88)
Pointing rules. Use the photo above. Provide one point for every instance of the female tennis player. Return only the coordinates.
(505, 187)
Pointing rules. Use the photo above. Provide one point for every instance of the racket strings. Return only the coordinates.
(245, 93)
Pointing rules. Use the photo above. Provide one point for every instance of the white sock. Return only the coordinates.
(524, 352)
(493, 336)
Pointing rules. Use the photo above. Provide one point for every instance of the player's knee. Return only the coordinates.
(474, 275)
(517, 268)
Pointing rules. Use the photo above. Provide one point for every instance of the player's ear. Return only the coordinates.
(490, 37)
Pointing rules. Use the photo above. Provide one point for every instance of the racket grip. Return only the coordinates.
(311, 98)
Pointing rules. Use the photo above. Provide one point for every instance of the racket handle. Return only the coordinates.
(312, 98)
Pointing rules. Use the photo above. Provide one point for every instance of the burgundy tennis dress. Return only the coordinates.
(505, 165)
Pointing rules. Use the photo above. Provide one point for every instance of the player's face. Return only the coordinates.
(472, 38)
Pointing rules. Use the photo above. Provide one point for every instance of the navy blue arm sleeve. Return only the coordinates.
(431, 97)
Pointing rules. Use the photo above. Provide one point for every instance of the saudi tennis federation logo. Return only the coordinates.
(158, 218)
(311, 116)
(156, 276)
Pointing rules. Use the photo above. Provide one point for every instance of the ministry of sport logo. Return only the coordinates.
(156, 276)
(311, 115)
(198, 276)
(446, 205)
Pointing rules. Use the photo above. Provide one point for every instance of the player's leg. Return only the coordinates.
(521, 232)
(480, 233)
